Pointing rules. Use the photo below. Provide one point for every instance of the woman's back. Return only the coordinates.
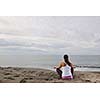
(66, 71)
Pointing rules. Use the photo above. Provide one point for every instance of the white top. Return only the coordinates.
(66, 71)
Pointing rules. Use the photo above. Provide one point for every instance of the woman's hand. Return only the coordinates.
(74, 66)
(55, 67)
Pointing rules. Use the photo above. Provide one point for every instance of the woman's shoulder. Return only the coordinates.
(60, 61)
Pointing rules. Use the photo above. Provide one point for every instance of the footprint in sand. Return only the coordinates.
(16, 76)
(87, 80)
(7, 73)
(9, 78)
(23, 80)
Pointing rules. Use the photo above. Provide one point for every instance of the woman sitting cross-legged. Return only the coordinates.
(64, 71)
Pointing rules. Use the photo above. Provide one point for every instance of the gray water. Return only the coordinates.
(84, 62)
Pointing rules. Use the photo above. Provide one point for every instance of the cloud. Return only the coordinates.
(50, 35)
(18, 25)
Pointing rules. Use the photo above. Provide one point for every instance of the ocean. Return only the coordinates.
(83, 62)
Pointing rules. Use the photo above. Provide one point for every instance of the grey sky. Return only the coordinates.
(50, 35)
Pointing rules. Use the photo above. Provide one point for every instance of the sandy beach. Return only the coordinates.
(34, 75)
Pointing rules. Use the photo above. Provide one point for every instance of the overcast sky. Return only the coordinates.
(50, 35)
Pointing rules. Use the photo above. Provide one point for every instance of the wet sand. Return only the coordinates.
(34, 75)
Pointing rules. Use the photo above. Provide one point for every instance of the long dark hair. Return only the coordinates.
(66, 59)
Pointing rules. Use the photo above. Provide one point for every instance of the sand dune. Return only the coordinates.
(34, 75)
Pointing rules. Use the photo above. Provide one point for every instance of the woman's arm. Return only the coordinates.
(59, 66)
(73, 66)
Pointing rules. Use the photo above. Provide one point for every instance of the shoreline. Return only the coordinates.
(81, 69)
(40, 75)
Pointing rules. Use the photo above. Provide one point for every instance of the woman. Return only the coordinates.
(66, 60)
(65, 69)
